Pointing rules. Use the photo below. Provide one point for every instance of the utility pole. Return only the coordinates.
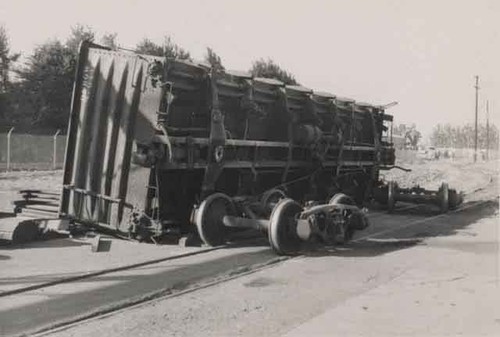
(475, 129)
(487, 130)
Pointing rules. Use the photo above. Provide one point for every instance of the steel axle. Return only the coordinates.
(289, 224)
(445, 198)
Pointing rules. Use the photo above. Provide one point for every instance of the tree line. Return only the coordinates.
(449, 136)
(35, 94)
(410, 134)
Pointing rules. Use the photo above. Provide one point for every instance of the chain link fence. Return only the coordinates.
(24, 151)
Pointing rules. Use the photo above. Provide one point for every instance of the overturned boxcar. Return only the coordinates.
(159, 145)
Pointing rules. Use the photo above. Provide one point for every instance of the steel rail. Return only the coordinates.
(106, 271)
(461, 208)
(155, 296)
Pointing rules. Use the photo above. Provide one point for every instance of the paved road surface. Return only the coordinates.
(438, 278)
(270, 302)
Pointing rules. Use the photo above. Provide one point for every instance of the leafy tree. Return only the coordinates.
(463, 136)
(110, 40)
(413, 136)
(167, 49)
(42, 98)
(78, 34)
(269, 69)
(146, 46)
(214, 60)
(400, 129)
(410, 133)
(6, 58)
(47, 84)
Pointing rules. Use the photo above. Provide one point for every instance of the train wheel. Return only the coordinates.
(282, 230)
(443, 198)
(271, 198)
(341, 199)
(353, 220)
(391, 191)
(209, 218)
(454, 199)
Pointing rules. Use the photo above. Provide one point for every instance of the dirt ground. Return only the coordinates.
(438, 278)
(463, 175)
(445, 287)
(418, 281)
(12, 182)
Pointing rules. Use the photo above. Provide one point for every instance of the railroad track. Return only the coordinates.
(165, 293)
(162, 294)
(170, 293)
(104, 272)
(149, 262)
(229, 245)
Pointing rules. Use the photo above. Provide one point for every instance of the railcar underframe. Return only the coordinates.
(158, 145)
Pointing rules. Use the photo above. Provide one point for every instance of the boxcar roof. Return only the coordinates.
(364, 104)
(238, 73)
(270, 81)
(323, 94)
(344, 99)
(299, 88)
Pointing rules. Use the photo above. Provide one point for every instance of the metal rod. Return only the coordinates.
(8, 147)
(54, 156)
(94, 194)
(475, 124)
(240, 222)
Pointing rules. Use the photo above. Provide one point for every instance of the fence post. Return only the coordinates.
(8, 147)
(54, 156)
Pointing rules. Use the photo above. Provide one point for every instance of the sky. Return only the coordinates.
(422, 54)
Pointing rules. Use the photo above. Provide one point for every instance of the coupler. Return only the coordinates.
(287, 223)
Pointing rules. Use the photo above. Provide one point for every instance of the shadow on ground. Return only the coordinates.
(122, 289)
(401, 237)
(6, 215)
(53, 240)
